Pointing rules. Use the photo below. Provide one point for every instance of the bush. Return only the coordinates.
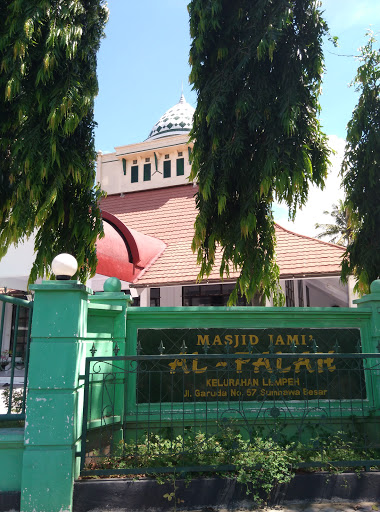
(17, 399)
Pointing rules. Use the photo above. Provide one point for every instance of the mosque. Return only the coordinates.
(149, 214)
(148, 218)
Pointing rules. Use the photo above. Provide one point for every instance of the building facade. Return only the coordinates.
(149, 192)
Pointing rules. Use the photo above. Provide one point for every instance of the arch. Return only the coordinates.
(125, 253)
(126, 235)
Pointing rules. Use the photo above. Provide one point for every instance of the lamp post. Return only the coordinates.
(64, 266)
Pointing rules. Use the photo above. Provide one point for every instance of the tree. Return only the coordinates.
(47, 88)
(340, 231)
(256, 67)
(361, 173)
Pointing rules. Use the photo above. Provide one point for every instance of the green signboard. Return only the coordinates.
(249, 366)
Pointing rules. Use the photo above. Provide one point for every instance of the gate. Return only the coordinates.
(14, 356)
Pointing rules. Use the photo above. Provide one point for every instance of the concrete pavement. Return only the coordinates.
(331, 506)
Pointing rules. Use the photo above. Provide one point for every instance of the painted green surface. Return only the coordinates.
(15, 300)
(112, 284)
(134, 173)
(240, 318)
(47, 479)
(65, 354)
(60, 310)
(180, 166)
(112, 325)
(112, 394)
(11, 456)
(372, 302)
(147, 172)
(70, 323)
(54, 400)
(167, 168)
(51, 417)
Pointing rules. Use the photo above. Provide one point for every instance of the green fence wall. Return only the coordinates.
(69, 322)
(11, 456)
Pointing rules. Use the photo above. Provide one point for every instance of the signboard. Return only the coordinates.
(253, 378)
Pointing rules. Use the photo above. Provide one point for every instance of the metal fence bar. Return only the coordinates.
(26, 361)
(15, 333)
(2, 326)
(13, 363)
(337, 409)
(16, 301)
(281, 355)
(85, 413)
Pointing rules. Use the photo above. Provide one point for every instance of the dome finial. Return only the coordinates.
(182, 98)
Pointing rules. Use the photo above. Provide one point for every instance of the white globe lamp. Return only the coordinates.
(64, 266)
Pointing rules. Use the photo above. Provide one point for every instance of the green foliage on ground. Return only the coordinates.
(17, 399)
(256, 68)
(47, 87)
(361, 175)
(260, 463)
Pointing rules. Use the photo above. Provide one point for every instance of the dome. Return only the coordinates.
(176, 121)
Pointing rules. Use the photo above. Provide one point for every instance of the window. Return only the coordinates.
(147, 172)
(167, 168)
(179, 153)
(209, 295)
(136, 302)
(180, 167)
(22, 331)
(147, 159)
(300, 294)
(166, 157)
(307, 297)
(134, 173)
(155, 297)
(134, 162)
(289, 293)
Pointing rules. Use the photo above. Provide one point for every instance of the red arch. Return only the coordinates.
(126, 234)
(125, 253)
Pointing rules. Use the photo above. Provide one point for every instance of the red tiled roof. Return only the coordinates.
(299, 255)
(169, 214)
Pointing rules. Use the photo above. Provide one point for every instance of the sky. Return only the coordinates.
(143, 64)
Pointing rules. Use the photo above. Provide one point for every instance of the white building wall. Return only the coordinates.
(110, 171)
(171, 296)
(16, 265)
(323, 292)
(350, 291)
(145, 298)
(6, 341)
(319, 299)
(320, 295)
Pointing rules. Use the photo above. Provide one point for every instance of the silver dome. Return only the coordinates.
(176, 121)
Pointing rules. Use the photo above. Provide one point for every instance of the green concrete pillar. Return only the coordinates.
(54, 402)
(371, 343)
(372, 301)
(107, 315)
